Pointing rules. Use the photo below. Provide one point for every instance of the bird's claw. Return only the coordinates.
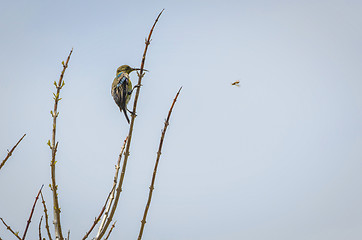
(137, 86)
(132, 113)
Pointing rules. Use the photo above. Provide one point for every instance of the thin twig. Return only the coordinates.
(96, 220)
(40, 227)
(110, 230)
(46, 217)
(16, 234)
(31, 213)
(143, 222)
(111, 197)
(126, 154)
(11, 152)
(68, 234)
(53, 146)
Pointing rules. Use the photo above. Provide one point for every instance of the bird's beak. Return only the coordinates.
(139, 69)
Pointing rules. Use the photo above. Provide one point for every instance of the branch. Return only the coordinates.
(31, 213)
(111, 197)
(11, 152)
(53, 146)
(99, 216)
(110, 230)
(46, 217)
(126, 154)
(16, 234)
(40, 238)
(156, 165)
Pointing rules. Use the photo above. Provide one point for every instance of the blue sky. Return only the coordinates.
(279, 157)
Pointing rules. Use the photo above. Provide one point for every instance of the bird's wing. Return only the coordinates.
(118, 89)
(122, 80)
(122, 87)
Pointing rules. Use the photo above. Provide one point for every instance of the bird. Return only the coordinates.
(122, 88)
(236, 83)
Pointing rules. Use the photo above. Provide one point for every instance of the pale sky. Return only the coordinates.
(279, 157)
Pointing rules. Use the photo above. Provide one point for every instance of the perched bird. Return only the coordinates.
(122, 88)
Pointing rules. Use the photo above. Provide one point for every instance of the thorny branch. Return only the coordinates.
(40, 238)
(110, 230)
(16, 234)
(53, 146)
(143, 222)
(111, 197)
(46, 217)
(96, 220)
(31, 213)
(11, 152)
(127, 152)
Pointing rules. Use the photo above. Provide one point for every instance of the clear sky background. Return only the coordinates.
(279, 157)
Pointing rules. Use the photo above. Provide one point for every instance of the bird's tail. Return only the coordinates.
(125, 114)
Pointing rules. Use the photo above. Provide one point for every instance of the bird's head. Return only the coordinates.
(127, 69)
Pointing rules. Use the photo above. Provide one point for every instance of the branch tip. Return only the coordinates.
(143, 222)
(11, 151)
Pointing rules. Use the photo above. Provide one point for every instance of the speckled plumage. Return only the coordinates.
(122, 88)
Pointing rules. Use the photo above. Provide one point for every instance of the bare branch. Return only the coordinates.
(53, 146)
(11, 152)
(127, 152)
(143, 222)
(111, 197)
(110, 230)
(31, 213)
(46, 216)
(40, 228)
(16, 234)
(99, 216)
